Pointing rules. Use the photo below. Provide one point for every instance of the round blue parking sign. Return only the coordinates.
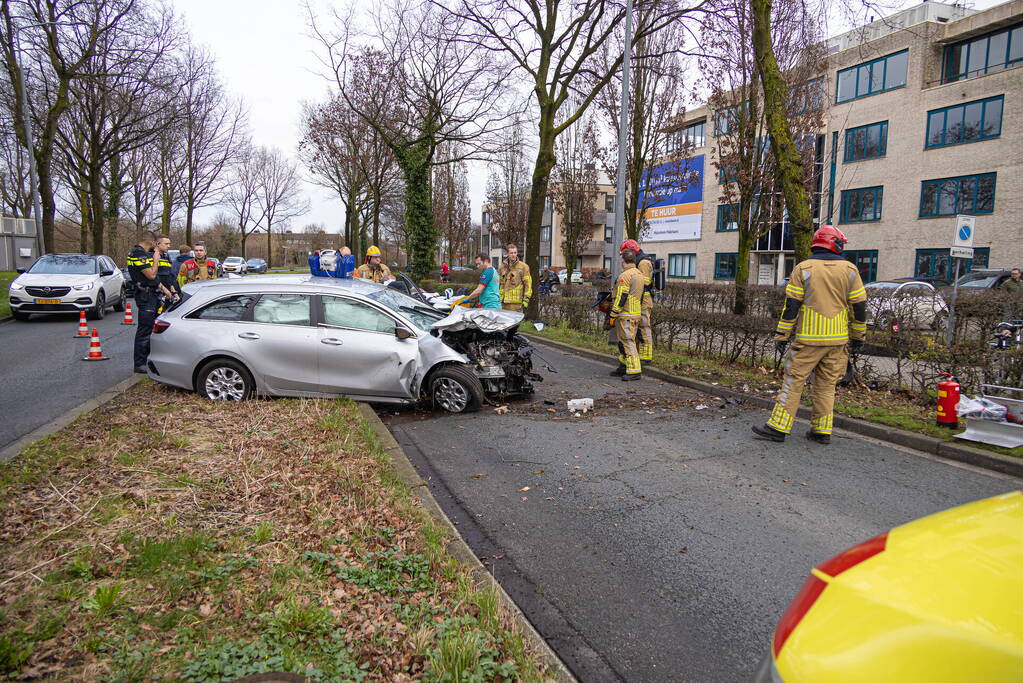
(964, 233)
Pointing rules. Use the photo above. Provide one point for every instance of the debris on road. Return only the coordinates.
(580, 404)
(501, 410)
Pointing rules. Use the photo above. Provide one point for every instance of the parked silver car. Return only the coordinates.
(912, 304)
(68, 283)
(298, 335)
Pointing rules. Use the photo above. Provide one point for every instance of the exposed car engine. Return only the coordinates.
(503, 360)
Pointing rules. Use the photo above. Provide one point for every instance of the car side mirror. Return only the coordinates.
(402, 332)
(21, 270)
(106, 273)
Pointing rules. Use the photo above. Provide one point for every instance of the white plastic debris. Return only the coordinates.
(701, 407)
(583, 404)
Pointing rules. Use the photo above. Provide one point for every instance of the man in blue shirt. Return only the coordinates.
(489, 288)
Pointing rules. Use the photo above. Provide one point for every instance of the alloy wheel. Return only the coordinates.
(225, 384)
(450, 394)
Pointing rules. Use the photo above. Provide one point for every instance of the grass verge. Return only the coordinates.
(6, 276)
(891, 408)
(165, 536)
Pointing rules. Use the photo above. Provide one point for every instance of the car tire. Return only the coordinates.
(224, 379)
(121, 298)
(97, 311)
(18, 315)
(456, 389)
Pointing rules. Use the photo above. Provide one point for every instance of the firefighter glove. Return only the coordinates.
(855, 346)
(610, 323)
(780, 345)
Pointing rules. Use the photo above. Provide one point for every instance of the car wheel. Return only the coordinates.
(121, 298)
(18, 315)
(225, 380)
(98, 310)
(456, 389)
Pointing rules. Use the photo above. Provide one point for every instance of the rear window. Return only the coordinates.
(228, 308)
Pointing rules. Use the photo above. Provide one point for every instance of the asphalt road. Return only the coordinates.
(657, 541)
(42, 375)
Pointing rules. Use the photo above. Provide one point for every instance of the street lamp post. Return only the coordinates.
(619, 225)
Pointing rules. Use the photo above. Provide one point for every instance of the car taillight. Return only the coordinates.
(814, 586)
(159, 326)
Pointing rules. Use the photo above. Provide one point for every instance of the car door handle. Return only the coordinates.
(248, 335)
(333, 341)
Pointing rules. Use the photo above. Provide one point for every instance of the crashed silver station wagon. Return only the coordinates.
(298, 335)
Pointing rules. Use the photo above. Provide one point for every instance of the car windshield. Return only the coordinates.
(874, 286)
(66, 264)
(412, 309)
(978, 280)
(233, 259)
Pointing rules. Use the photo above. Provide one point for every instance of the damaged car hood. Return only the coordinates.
(482, 319)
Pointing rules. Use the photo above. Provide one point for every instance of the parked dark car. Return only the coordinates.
(985, 278)
(129, 286)
(255, 265)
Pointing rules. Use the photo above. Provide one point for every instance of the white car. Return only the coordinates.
(68, 283)
(235, 264)
(577, 276)
(911, 304)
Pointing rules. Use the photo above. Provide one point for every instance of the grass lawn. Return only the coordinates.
(5, 280)
(164, 536)
(888, 407)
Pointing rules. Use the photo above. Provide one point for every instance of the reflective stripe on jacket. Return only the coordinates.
(516, 283)
(628, 294)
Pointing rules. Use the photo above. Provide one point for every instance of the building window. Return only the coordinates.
(728, 217)
(866, 142)
(681, 265)
(725, 120)
(607, 263)
(937, 264)
(725, 266)
(873, 77)
(865, 262)
(950, 196)
(545, 262)
(609, 203)
(486, 219)
(806, 97)
(861, 205)
(728, 173)
(545, 233)
(609, 233)
(986, 54)
(969, 122)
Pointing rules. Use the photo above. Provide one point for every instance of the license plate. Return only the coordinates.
(47, 301)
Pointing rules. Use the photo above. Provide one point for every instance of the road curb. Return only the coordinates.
(67, 418)
(459, 549)
(899, 437)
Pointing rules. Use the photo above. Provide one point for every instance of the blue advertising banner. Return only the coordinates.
(672, 201)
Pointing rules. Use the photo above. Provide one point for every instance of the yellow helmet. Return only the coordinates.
(373, 251)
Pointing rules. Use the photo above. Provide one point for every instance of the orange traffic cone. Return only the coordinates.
(95, 352)
(128, 319)
(83, 329)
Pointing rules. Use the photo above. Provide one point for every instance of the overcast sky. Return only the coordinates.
(266, 58)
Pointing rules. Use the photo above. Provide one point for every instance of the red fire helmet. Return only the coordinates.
(631, 245)
(830, 237)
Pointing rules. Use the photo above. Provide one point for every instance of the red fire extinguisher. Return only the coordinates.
(948, 398)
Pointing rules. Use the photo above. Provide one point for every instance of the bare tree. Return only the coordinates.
(279, 195)
(508, 186)
(58, 37)
(142, 186)
(243, 194)
(555, 44)
(746, 167)
(212, 130)
(15, 198)
(418, 87)
(451, 203)
(574, 188)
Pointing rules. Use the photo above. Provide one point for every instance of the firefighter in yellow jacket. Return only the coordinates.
(820, 293)
(516, 282)
(374, 269)
(645, 336)
(626, 312)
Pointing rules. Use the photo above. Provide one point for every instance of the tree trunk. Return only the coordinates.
(96, 199)
(115, 188)
(189, 213)
(165, 216)
(414, 162)
(269, 243)
(245, 239)
(746, 238)
(48, 203)
(84, 210)
(790, 164)
(376, 220)
(545, 161)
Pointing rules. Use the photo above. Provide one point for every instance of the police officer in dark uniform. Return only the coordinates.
(165, 274)
(143, 266)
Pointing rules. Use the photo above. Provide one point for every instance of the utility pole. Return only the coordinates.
(623, 128)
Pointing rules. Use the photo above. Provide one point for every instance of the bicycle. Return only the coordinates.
(1007, 342)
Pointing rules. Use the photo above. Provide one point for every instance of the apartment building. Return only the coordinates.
(924, 121)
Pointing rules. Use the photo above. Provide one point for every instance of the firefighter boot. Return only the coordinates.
(634, 377)
(618, 372)
(817, 437)
(769, 433)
